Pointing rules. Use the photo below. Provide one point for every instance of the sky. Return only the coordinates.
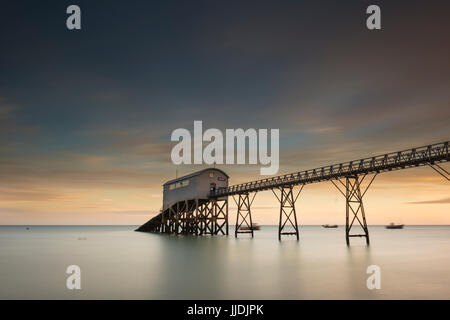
(86, 115)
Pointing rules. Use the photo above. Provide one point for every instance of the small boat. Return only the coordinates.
(330, 225)
(394, 226)
(254, 227)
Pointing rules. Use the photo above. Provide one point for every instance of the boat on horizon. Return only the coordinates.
(330, 225)
(254, 227)
(394, 226)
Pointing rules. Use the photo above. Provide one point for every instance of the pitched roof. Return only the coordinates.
(194, 174)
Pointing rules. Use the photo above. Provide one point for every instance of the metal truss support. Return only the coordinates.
(202, 215)
(220, 216)
(189, 220)
(163, 222)
(440, 170)
(167, 225)
(178, 217)
(244, 222)
(162, 227)
(287, 211)
(196, 217)
(209, 218)
(354, 206)
(173, 217)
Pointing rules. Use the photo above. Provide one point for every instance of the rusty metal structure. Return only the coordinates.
(210, 216)
(187, 207)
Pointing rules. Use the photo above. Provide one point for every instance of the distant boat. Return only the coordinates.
(330, 225)
(254, 227)
(394, 226)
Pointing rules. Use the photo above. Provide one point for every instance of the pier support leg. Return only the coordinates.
(210, 218)
(444, 173)
(354, 211)
(187, 217)
(220, 216)
(227, 225)
(201, 218)
(177, 217)
(173, 218)
(182, 215)
(288, 215)
(162, 228)
(189, 220)
(244, 215)
(195, 220)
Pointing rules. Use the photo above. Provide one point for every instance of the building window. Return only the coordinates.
(179, 184)
(211, 174)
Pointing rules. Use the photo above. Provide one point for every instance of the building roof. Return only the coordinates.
(194, 174)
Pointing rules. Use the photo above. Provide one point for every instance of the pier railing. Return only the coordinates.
(419, 156)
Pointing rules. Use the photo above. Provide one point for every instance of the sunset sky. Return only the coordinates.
(86, 116)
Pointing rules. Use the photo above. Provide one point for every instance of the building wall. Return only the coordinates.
(198, 187)
(205, 180)
(187, 192)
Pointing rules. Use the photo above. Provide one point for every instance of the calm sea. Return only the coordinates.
(118, 263)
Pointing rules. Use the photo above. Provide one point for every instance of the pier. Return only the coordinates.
(204, 209)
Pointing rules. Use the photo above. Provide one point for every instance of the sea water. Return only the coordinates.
(118, 263)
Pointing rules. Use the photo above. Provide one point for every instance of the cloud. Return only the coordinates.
(438, 201)
(13, 210)
(5, 111)
(91, 159)
(33, 195)
(134, 212)
(10, 123)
